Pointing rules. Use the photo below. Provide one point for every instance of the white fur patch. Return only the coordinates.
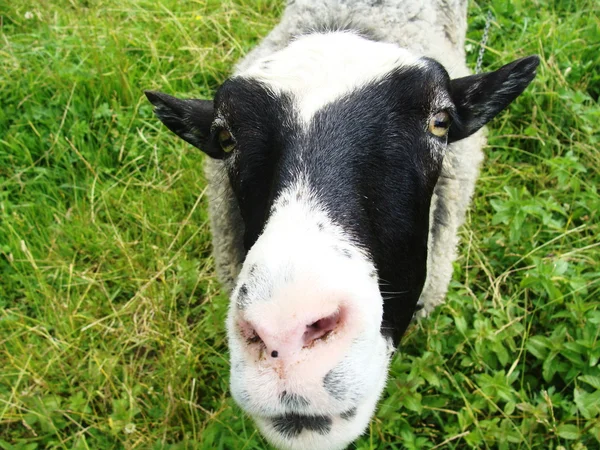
(318, 68)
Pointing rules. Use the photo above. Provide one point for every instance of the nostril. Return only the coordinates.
(248, 332)
(283, 340)
(321, 328)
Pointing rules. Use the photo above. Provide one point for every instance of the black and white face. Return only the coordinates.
(333, 147)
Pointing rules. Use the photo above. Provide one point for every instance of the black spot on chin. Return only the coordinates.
(291, 425)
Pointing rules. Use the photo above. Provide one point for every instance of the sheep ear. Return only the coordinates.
(479, 98)
(189, 119)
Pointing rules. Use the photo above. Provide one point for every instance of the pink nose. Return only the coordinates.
(283, 340)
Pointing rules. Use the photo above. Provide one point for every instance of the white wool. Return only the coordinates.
(344, 62)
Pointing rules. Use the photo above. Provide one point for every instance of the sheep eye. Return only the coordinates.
(439, 124)
(226, 141)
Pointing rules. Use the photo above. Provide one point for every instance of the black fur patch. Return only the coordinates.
(242, 299)
(333, 384)
(257, 120)
(479, 98)
(291, 425)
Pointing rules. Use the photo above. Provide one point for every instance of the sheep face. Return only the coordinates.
(333, 147)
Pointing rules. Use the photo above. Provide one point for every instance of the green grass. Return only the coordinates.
(111, 320)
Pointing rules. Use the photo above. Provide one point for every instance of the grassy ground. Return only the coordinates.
(111, 321)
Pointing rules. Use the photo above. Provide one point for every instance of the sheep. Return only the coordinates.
(343, 155)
